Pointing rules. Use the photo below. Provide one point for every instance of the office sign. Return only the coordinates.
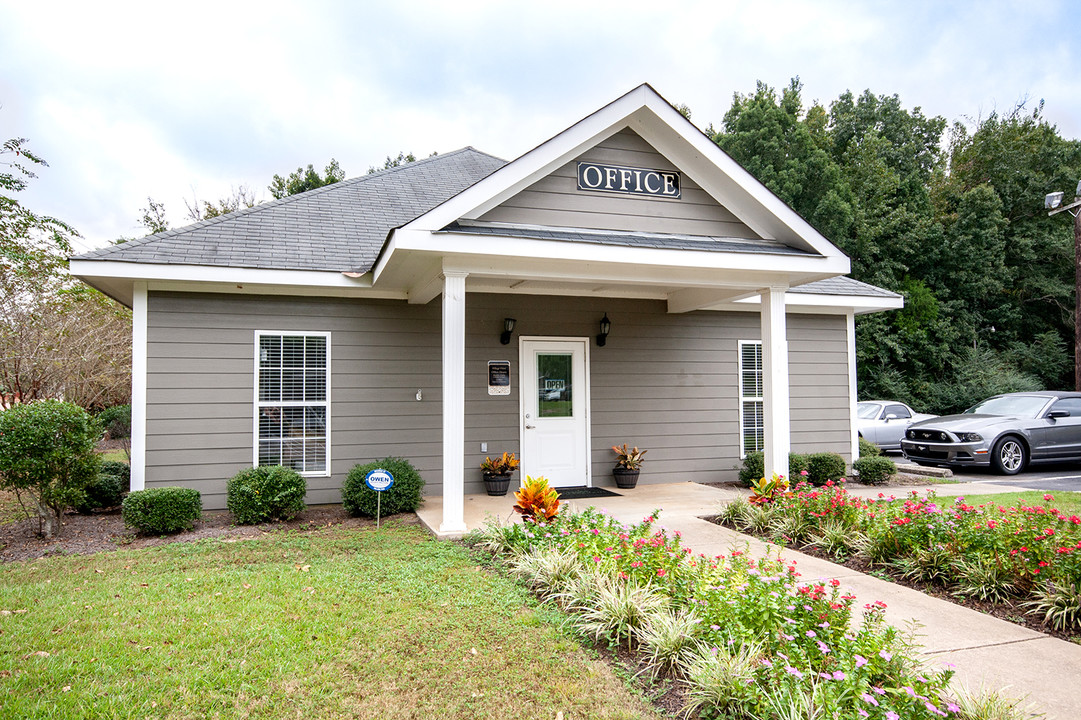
(629, 180)
(498, 377)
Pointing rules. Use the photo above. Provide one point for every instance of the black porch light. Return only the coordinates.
(606, 325)
(508, 328)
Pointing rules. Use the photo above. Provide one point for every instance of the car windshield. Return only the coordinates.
(1024, 406)
(867, 411)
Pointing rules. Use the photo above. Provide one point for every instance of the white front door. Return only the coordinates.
(555, 411)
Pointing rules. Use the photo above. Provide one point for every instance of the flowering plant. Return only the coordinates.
(537, 502)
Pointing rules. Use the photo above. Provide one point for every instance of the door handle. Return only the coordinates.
(530, 427)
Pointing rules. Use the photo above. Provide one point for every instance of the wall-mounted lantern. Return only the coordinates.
(606, 325)
(508, 328)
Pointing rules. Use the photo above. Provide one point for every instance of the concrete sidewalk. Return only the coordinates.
(987, 652)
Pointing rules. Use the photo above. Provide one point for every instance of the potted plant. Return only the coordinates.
(628, 466)
(537, 503)
(497, 473)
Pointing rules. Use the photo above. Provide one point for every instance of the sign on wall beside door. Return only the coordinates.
(498, 377)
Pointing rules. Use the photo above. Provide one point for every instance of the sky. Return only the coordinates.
(178, 101)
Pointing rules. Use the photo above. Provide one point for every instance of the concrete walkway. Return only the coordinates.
(986, 651)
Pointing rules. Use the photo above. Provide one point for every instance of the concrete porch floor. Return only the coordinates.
(987, 652)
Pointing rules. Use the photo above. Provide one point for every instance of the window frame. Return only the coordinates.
(760, 399)
(258, 404)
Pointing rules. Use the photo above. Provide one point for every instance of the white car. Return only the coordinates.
(884, 422)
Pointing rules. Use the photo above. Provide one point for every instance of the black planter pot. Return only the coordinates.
(625, 479)
(497, 485)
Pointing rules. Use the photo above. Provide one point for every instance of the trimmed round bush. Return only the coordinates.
(754, 467)
(404, 496)
(117, 421)
(868, 448)
(874, 469)
(163, 510)
(263, 493)
(121, 469)
(105, 492)
(825, 466)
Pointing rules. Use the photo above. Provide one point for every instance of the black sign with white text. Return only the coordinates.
(634, 181)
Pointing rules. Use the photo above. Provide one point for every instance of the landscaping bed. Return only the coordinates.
(1019, 562)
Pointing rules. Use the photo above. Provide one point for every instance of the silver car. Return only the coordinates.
(884, 422)
(1006, 432)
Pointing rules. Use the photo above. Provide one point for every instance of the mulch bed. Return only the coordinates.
(105, 531)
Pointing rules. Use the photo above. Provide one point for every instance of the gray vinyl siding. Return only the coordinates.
(556, 200)
(664, 382)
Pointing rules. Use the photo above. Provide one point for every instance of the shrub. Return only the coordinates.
(754, 467)
(116, 420)
(825, 466)
(105, 492)
(47, 451)
(868, 448)
(404, 496)
(874, 469)
(120, 469)
(264, 493)
(158, 511)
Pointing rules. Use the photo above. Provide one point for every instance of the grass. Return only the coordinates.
(336, 623)
(10, 510)
(118, 455)
(1068, 503)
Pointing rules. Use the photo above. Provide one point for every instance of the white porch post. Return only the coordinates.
(138, 387)
(775, 382)
(453, 403)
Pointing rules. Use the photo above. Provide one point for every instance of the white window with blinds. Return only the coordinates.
(752, 423)
(292, 401)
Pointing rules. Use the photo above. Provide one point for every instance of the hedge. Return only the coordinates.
(263, 493)
(823, 467)
(158, 511)
(404, 496)
(874, 470)
(754, 467)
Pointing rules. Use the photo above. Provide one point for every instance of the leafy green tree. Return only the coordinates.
(153, 217)
(47, 457)
(238, 198)
(303, 180)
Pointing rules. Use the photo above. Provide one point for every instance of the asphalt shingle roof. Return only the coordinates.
(342, 227)
(338, 227)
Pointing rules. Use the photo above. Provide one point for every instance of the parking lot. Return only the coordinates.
(1059, 477)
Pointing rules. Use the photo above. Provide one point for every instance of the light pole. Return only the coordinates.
(1053, 203)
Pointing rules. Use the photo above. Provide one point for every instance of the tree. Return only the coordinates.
(58, 338)
(153, 217)
(238, 198)
(47, 456)
(303, 180)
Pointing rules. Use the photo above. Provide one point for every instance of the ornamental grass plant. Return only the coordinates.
(745, 634)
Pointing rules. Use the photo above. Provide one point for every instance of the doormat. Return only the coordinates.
(581, 493)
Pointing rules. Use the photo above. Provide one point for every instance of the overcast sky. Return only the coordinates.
(177, 100)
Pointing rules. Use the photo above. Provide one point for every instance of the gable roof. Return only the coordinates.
(339, 227)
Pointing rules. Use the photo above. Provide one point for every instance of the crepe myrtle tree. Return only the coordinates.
(47, 458)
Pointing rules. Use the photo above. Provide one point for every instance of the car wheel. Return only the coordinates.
(1009, 456)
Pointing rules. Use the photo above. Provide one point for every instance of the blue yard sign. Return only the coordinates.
(379, 480)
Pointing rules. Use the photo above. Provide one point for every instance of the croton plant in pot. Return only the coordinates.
(628, 465)
(497, 472)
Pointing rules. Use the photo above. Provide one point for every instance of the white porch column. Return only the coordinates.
(775, 382)
(138, 387)
(453, 403)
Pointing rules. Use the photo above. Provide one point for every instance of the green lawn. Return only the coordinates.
(335, 623)
(119, 455)
(1068, 503)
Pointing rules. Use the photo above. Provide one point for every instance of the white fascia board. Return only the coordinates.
(502, 247)
(206, 273)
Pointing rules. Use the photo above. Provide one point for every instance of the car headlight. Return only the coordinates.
(969, 437)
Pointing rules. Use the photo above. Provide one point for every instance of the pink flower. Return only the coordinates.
(868, 699)
(891, 715)
(860, 661)
(887, 656)
(1048, 497)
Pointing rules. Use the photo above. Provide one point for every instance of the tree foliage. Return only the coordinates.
(957, 228)
(47, 455)
(58, 338)
(303, 180)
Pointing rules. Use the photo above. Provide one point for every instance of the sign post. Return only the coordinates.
(379, 480)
